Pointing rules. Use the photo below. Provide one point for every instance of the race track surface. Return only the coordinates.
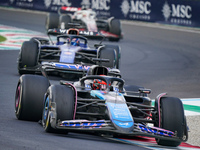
(159, 59)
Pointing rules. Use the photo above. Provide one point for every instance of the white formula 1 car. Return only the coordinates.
(89, 25)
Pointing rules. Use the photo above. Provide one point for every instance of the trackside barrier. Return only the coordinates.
(176, 12)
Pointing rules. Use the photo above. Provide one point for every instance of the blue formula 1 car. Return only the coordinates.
(70, 54)
(99, 103)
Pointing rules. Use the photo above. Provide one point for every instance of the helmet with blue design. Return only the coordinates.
(76, 42)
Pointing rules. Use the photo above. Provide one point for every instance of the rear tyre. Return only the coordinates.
(172, 118)
(65, 19)
(28, 57)
(52, 21)
(115, 28)
(108, 53)
(118, 53)
(30, 96)
(63, 97)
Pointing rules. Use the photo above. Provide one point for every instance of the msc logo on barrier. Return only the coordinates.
(96, 4)
(180, 14)
(12, 1)
(85, 3)
(23, 3)
(56, 3)
(100, 4)
(137, 9)
(101, 7)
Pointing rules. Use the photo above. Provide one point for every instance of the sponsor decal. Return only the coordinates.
(71, 66)
(63, 31)
(100, 4)
(125, 7)
(139, 10)
(87, 33)
(155, 131)
(47, 3)
(177, 14)
(119, 111)
(84, 124)
(166, 11)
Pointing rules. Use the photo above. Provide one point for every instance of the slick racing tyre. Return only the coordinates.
(52, 21)
(115, 28)
(42, 41)
(63, 98)
(118, 53)
(171, 118)
(108, 53)
(30, 96)
(28, 57)
(64, 20)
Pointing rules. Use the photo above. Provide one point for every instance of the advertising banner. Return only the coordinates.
(176, 12)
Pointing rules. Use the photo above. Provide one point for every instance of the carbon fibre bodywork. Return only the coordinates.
(112, 111)
(63, 57)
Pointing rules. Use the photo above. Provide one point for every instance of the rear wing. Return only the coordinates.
(66, 9)
(66, 31)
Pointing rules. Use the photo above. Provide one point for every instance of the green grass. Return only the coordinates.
(2, 38)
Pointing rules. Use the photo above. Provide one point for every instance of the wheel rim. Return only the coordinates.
(18, 99)
(45, 116)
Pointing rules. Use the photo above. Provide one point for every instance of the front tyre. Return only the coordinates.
(30, 96)
(63, 98)
(172, 118)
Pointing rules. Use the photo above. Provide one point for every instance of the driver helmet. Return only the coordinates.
(99, 85)
(76, 41)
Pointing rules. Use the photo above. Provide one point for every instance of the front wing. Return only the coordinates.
(106, 126)
(59, 67)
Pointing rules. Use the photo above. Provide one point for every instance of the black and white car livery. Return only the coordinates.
(89, 23)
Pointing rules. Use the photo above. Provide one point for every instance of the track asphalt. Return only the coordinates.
(15, 38)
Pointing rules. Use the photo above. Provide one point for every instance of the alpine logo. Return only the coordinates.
(124, 124)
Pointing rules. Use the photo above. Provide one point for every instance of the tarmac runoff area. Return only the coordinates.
(16, 36)
(192, 111)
